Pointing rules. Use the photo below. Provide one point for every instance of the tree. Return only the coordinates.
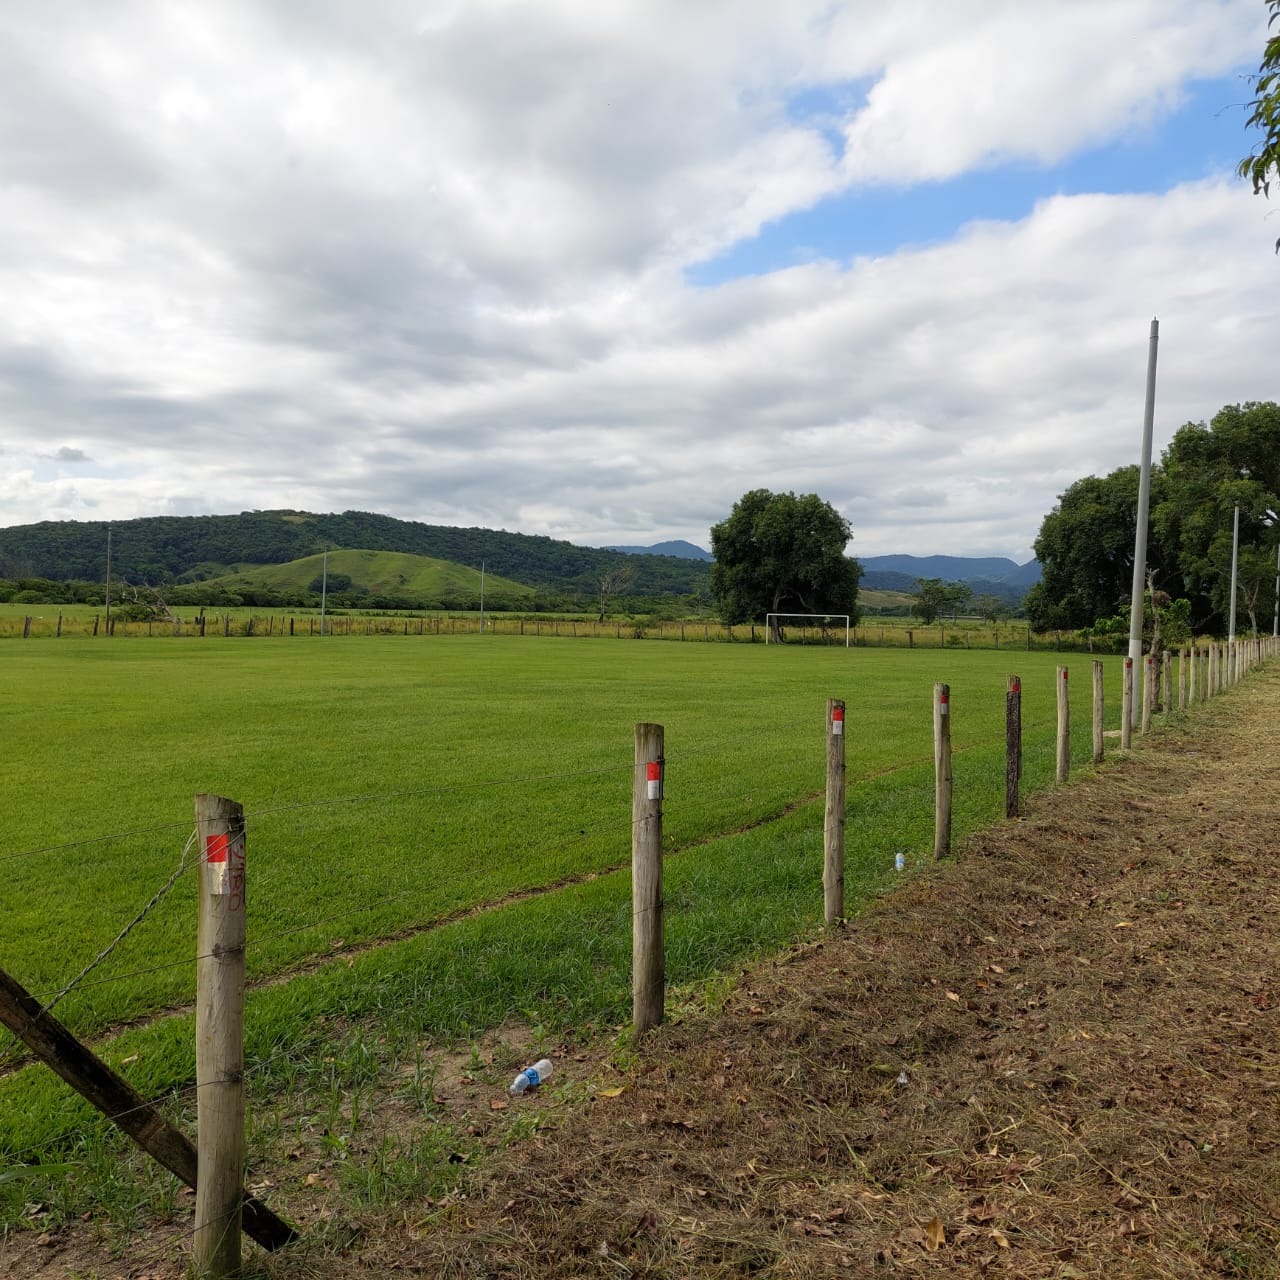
(1261, 166)
(935, 597)
(612, 582)
(1085, 549)
(777, 552)
(991, 608)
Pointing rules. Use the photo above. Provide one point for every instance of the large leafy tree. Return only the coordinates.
(1262, 166)
(1085, 545)
(1085, 549)
(780, 552)
(1209, 470)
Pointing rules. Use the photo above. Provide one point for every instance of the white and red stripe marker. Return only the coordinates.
(837, 721)
(944, 704)
(654, 780)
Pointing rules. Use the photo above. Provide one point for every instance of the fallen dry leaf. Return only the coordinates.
(615, 1092)
(935, 1235)
(999, 1237)
(498, 1104)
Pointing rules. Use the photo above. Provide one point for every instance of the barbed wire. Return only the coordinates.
(183, 867)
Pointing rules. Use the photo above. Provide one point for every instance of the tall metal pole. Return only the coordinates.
(1235, 573)
(482, 597)
(324, 587)
(1144, 506)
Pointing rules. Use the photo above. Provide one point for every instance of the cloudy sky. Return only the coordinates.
(595, 269)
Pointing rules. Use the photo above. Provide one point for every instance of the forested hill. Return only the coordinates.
(160, 549)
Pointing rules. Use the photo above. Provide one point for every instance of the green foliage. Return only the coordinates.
(1085, 545)
(935, 597)
(777, 552)
(167, 549)
(1261, 166)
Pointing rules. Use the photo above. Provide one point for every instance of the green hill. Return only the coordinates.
(385, 574)
(172, 549)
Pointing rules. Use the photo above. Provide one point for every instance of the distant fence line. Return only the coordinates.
(871, 634)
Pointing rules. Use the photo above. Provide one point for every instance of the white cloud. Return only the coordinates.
(432, 263)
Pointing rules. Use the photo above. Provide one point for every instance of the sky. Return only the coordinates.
(596, 270)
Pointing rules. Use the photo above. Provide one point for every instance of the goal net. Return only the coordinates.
(822, 618)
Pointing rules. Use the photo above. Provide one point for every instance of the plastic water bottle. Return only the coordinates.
(899, 861)
(531, 1077)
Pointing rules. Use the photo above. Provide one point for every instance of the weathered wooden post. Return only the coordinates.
(1166, 685)
(1126, 707)
(647, 959)
(833, 820)
(220, 971)
(1182, 678)
(1097, 712)
(941, 770)
(1012, 745)
(1212, 685)
(1064, 728)
(1148, 694)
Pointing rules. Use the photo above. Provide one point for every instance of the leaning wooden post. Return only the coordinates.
(1126, 707)
(1012, 745)
(220, 1036)
(647, 963)
(833, 822)
(941, 770)
(1064, 728)
(1097, 712)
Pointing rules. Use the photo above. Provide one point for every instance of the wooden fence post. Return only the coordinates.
(941, 770)
(1126, 707)
(120, 1102)
(1064, 728)
(1166, 684)
(220, 971)
(1097, 712)
(1211, 685)
(647, 959)
(1182, 678)
(833, 819)
(1147, 664)
(1012, 745)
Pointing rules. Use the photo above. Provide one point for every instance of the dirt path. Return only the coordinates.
(1057, 1056)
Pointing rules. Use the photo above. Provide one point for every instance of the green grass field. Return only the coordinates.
(394, 785)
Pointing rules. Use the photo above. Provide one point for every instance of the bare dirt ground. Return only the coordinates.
(1056, 1056)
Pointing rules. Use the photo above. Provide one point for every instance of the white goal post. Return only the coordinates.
(826, 617)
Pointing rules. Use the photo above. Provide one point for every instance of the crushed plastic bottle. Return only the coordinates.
(531, 1077)
(899, 861)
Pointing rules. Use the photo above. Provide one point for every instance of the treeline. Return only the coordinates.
(182, 550)
(1085, 545)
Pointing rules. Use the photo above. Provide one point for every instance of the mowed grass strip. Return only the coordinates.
(391, 785)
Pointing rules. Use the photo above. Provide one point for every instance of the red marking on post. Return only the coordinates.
(215, 848)
(1128, 662)
(1064, 673)
(655, 771)
(1017, 687)
(837, 714)
(944, 698)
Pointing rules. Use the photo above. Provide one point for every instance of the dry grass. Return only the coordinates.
(1057, 1056)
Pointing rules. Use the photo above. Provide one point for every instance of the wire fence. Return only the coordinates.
(595, 830)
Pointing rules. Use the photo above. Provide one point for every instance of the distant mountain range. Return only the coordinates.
(679, 548)
(989, 575)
